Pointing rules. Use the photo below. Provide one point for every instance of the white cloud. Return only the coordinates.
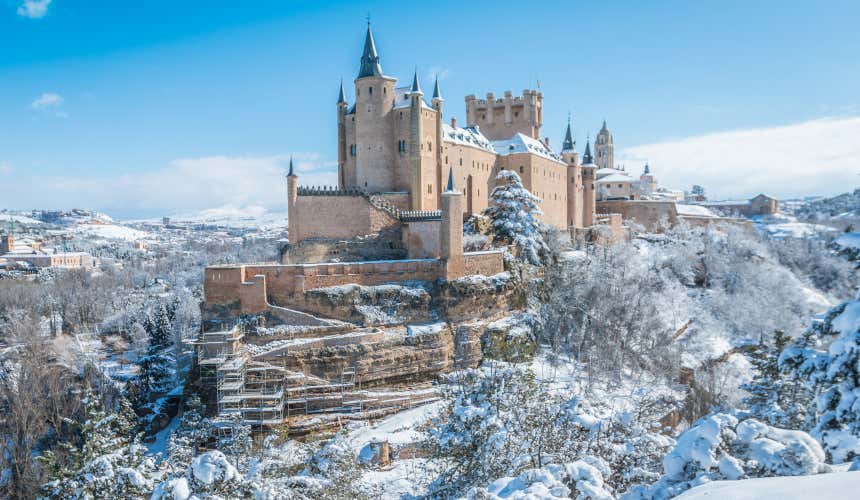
(185, 184)
(47, 100)
(815, 157)
(34, 9)
(5, 168)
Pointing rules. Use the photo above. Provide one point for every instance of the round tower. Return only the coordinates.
(374, 100)
(589, 198)
(292, 211)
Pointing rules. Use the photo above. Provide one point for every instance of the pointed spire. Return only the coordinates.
(647, 170)
(291, 173)
(586, 157)
(450, 187)
(604, 129)
(437, 93)
(415, 86)
(369, 58)
(568, 144)
(341, 96)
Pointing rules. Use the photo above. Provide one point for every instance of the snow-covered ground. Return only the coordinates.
(110, 232)
(18, 219)
(229, 216)
(834, 486)
(783, 226)
(849, 240)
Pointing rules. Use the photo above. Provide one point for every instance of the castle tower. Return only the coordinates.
(501, 119)
(451, 237)
(374, 99)
(341, 137)
(437, 103)
(574, 179)
(416, 132)
(292, 212)
(589, 197)
(604, 150)
(7, 243)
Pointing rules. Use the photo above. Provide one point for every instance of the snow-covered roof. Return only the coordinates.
(469, 136)
(521, 143)
(401, 98)
(696, 210)
(725, 202)
(608, 171)
(615, 178)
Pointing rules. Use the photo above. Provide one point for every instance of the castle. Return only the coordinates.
(395, 152)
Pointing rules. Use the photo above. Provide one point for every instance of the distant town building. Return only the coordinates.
(33, 253)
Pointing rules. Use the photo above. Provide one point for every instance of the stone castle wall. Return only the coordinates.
(340, 216)
(257, 286)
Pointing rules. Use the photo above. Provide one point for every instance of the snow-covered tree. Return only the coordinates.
(194, 431)
(513, 211)
(110, 463)
(209, 475)
(721, 447)
(833, 375)
(774, 398)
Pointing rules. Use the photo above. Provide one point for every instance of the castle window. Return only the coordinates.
(461, 162)
(384, 90)
(516, 114)
(429, 146)
(357, 92)
(521, 169)
(352, 149)
(429, 188)
(370, 90)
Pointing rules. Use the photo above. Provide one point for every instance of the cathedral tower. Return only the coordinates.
(604, 150)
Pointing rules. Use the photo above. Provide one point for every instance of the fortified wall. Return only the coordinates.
(256, 287)
(656, 215)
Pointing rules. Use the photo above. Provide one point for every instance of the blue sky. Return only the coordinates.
(138, 108)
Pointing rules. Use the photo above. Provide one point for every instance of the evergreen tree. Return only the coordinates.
(513, 213)
(110, 462)
(194, 431)
(773, 397)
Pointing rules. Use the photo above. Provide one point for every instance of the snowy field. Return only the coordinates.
(834, 486)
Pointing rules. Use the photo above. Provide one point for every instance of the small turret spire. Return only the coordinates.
(291, 173)
(450, 187)
(604, 129)
(586, 157)
(416, 87)
(341, 96)
(437, 93)
(569, 144)
(369, 58)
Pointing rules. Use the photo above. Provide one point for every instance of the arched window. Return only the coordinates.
(370, 90)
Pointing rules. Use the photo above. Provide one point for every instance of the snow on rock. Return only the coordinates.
(425, 329)
(834, 486)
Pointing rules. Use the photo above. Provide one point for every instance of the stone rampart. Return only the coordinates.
(255, 286)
